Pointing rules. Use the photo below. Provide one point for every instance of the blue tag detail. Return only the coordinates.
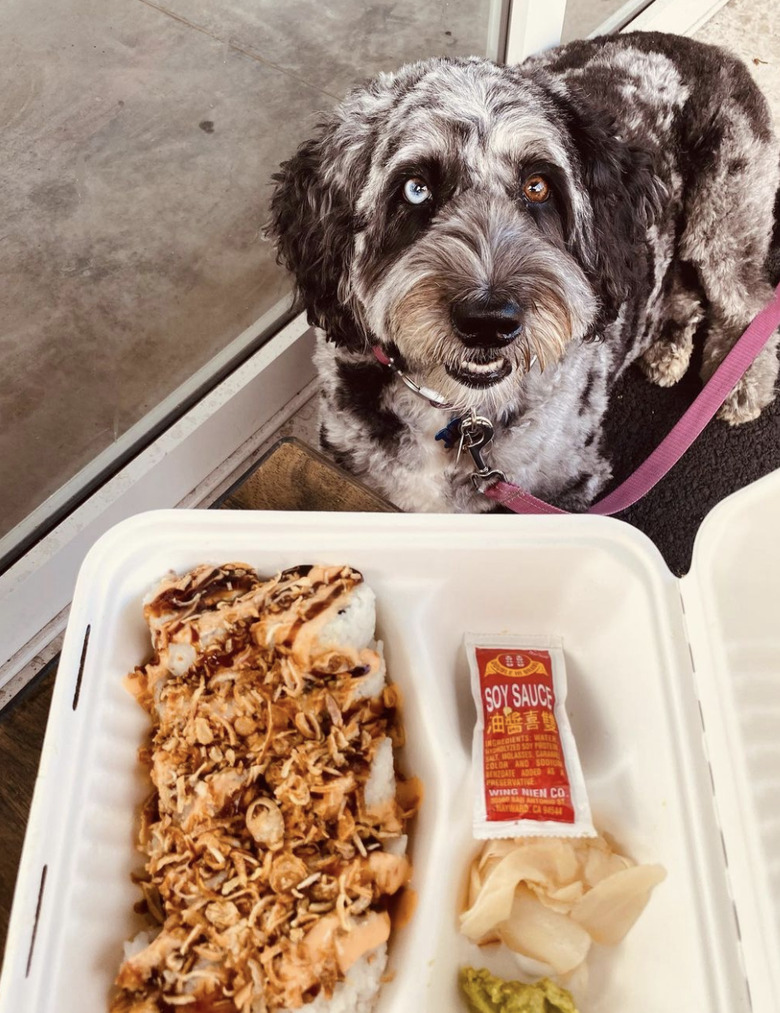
(450, 435)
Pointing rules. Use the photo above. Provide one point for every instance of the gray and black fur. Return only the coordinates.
(413, 221)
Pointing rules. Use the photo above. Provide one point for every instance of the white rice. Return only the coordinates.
(180, 658)
(396, 845)
(372, 685)
(380, 785)
(354, 626)
(358, 992)
(139, 942)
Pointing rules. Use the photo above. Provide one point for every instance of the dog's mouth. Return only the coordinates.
(480, 374)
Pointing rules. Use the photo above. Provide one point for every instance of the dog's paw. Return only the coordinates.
(664, 363)
(753, 392)
(744, 404)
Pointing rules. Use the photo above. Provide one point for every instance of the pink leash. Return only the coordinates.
(675, 443)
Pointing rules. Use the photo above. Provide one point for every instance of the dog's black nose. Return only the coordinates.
(487, 323)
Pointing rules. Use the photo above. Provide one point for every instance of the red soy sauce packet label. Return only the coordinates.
(529, 779)
(525, 772)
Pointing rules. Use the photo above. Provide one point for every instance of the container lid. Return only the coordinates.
(731, 598)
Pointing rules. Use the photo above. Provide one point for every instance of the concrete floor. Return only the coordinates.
(138, 139)
(584, 16)
(749, 28)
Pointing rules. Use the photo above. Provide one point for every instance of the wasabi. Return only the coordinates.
(488, 994)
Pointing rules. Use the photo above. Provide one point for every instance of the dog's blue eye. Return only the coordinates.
(416, 191)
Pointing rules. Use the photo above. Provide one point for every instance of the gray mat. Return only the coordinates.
(722, 460)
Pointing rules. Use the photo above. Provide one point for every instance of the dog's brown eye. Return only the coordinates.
(536, 189)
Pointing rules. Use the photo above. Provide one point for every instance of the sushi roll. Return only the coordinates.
(274, 838)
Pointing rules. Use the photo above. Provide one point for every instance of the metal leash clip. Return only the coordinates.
(476, 433)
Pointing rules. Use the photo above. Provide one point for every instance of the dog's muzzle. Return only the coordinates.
(485, 327)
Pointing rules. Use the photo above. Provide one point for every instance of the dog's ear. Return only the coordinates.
(311, 226)
(625, 196)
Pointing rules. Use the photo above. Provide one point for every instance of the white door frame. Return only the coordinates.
(536, 25)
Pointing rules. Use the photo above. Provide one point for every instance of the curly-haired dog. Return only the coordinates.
(514, 237)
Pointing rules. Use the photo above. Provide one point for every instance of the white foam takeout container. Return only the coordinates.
(673, 698)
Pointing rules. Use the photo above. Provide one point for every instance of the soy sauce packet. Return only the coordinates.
(528, 776)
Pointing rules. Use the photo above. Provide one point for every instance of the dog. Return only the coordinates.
(512, 239)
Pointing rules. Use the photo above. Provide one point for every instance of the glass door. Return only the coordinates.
(138, 145)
